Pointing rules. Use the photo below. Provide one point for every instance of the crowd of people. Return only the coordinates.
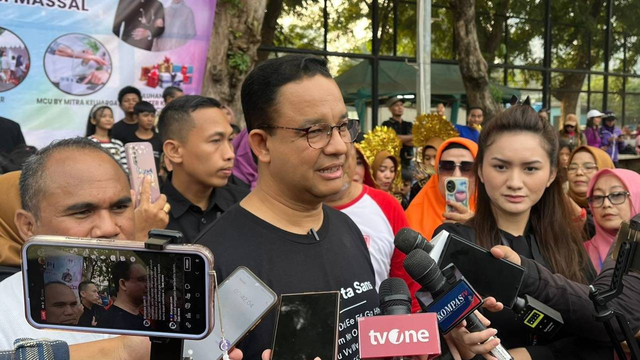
(307, 208)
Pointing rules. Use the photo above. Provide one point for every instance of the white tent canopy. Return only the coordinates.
(9, 40)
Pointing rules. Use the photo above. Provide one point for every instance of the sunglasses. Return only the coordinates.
(570, 126)
(448, 167)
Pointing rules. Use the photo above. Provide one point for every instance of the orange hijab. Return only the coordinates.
(425, 211)
(603, 160)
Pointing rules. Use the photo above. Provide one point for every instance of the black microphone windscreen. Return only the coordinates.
(424, 270)
(394, 292)
(408, 239)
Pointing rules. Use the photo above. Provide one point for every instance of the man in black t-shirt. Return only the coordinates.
(125, 129)
(404, 129)
(91, 303)
(196, 138)
(130, 281)
(298, 130)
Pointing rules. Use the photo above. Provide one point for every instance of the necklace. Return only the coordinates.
(224, 344)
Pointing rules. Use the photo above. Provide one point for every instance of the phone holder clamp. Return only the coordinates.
(159, 239)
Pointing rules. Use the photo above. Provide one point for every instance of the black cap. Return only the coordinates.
(609, 115)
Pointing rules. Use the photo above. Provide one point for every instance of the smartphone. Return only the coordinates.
(142, 163)
(499, 278)
(307, 326)
(162, 293)
(244, 301)
(456, 190)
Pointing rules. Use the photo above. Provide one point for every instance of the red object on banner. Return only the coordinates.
(399, 335)
(153, 79)
(43, 315)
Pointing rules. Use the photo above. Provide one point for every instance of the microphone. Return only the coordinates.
(395, 298)
(408, 239)
(538, 317)
(397, 333)
(424, 270)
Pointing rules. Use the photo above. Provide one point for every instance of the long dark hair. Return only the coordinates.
(560, 240)
(95, 113)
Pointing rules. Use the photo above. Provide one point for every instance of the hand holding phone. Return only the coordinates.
(142, 165)
(244, 301)
(149, 215)
(163, 293)
(456, 191)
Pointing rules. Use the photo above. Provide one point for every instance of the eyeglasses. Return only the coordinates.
(319, 135)
(615, 198)
(570, 126)
(587, 168)
(448, 167)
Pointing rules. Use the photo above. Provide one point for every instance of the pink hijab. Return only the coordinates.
(599, 245)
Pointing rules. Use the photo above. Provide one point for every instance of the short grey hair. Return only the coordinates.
(33, 177)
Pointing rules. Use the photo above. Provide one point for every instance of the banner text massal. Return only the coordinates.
(59, 58)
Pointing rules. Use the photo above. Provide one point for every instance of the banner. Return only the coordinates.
(59, 58)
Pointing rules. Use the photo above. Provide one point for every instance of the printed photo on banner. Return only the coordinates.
(14, 60)
(77, 64)
(154, 26)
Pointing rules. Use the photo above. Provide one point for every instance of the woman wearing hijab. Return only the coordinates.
(584, 162)
(571, 132)
(10, 240)
(427, 211)
(614, 197)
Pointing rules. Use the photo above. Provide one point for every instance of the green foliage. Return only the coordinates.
(239, 61)
(575, 26)
(91, 44)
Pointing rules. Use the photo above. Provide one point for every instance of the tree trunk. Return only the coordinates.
(233, 50)
(472, 64)
(274, 9)
(570, 85)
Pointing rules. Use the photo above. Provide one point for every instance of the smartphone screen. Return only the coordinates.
(457, 190)
(142, 163)
(307, 326)
(244, 300)
(122, 291)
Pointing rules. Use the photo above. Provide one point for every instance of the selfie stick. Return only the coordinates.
(628, 256)
(162, 347)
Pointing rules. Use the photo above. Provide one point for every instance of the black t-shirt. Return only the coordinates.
(117, 317)
(292, 263)
(189, 219)
(91, 314)
(10, 135)
(124, 132)
(402, 128)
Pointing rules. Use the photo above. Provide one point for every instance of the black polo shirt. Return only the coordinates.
(189, 219)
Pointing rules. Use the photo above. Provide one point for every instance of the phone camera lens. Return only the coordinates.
(451, 186)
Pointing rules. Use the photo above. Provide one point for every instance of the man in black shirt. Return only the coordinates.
(10, 135)
(298, 130)
(196, 138)
(125, 129)
(91, 303)
(130, 281)
(403, 128)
